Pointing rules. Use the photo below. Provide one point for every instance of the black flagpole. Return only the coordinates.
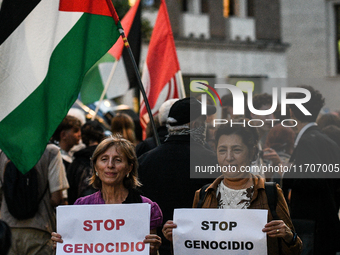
(140, 84)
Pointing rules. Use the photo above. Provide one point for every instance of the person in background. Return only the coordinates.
(312, 199)
(330, 125)
(80, 115)
(115, 175)
(165, 171)
(124, 125)
(279, 147)
(281, 140)
(332, 132)
(149, 131)
(237, 146)
(210, 129)
(328, 119)
(262, 102)
(150, 143)
(5, 238)
(32, 236)
(80, 170)
(77, 113)
(66, 136)
(227, 108)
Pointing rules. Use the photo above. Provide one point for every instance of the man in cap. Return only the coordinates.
(150, 142)
(166, 170)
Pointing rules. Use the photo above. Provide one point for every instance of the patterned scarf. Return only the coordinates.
(197, 134)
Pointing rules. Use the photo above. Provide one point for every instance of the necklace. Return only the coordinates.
(234, 198)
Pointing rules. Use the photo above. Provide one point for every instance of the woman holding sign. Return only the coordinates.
(115, 175)
(238, 188)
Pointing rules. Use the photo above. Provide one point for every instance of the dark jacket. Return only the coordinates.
(259, 201)
(150, 142)
(78, 174)
(165, 175)
(314, 198)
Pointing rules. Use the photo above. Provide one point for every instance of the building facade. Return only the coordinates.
(243, 44)
(312, 28)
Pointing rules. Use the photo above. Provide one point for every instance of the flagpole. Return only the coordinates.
(141, 87)
(181, 83)
(107, 84)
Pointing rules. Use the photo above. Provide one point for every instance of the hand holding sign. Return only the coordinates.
(167, 229)
(277, 228)
(155, 242)
(214, 231)
(104, 228)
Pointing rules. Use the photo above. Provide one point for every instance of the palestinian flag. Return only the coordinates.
(98, 76)
(46, 47)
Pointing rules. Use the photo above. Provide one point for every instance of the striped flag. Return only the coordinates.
(97, 76)
(161, 77)
(45, 51)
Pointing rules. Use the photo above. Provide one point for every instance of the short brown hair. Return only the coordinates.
(249, 135)
(67, 123)
(128, 149)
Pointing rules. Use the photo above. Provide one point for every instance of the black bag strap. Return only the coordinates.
(202, 195)
(271, 192)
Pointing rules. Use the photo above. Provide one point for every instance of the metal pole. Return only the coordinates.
(141, 87)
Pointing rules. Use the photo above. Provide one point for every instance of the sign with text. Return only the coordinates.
(217, 231)
(103, 229)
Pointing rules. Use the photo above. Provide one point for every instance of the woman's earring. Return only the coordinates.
(96, 173)
(127, 176)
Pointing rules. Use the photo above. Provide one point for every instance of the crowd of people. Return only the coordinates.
(117, 169)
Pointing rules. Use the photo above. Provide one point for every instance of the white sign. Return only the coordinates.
(103, 229)
(217, 231)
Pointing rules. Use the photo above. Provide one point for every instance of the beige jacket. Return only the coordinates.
(275, 246)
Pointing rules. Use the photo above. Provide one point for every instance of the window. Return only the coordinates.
(250, 8)
(184, 6)
(204, 6)
(228, 8)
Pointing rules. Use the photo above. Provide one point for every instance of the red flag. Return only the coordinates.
(161, 73)
(126, 22)
(98, 7)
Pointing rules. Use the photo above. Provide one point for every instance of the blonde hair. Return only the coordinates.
(125, 147)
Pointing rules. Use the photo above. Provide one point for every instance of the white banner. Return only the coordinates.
(103, 229)
(217, 231)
